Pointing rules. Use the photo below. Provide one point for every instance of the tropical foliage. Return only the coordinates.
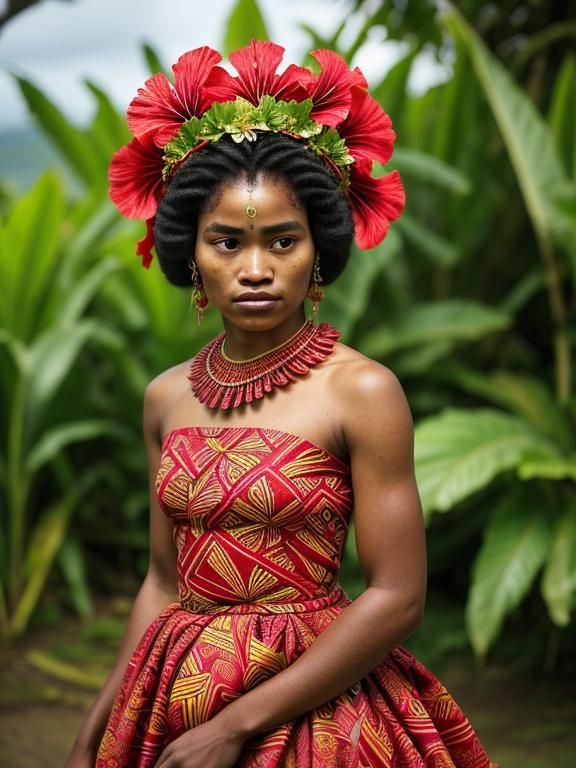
(469, 300)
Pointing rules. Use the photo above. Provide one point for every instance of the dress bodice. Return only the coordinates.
(260, 516)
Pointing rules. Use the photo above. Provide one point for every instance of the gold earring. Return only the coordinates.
(315, 293)
(198, 299)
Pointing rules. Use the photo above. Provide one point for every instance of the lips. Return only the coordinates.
(252, 296)
(256, 301)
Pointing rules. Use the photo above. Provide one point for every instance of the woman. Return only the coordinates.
(241, 649)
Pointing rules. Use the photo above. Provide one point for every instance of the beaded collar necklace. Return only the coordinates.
(220, 382)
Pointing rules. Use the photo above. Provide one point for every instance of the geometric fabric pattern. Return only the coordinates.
(260, 520)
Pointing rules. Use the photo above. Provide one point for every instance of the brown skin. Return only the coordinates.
(350, 405)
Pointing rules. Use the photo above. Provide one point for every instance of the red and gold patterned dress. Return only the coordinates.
(260, 519)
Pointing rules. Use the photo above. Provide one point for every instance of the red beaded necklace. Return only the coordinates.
(220, 382)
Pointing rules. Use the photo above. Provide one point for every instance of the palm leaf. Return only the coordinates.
(427, 323)
(346, 299)
(73, 567)
(54, 353)
(547, 467)
(29, 236)
(154, 62)
(391, 92)
(46, 540)
(459, 452)
(424, 167)
(561, 115)
(244, 23)
(439, 250)
(515, 547)
(559, 580)
(72, 143)
(527, 137)
(525, 395)
(56, 439)
(108, 130)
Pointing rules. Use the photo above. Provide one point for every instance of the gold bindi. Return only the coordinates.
(251, 211)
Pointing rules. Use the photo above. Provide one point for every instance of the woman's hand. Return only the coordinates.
(210, 745)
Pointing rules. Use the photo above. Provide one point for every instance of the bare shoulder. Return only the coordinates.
(160, 393)
(371, 402)
(363, 383)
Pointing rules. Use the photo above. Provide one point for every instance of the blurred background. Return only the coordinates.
(470, 301)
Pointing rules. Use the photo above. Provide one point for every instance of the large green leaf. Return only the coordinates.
(84, 291)
(74, 145)
(244, 23)
(391, 92)
(54, 440)
(559, 580)
(346, 299)
(439, 250)
(527, 137)
(548, 467)
(154, 62)
(461, 451)
(46, 540)
(427, 323)
(515, 547)
(52, 357)
(73, 567)
(92, 231)
(29, 240)
(526, 396)
(108, 130)
(425, 167)
(561, 115)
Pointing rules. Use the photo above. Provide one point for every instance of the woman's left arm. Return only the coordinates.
(390, 540)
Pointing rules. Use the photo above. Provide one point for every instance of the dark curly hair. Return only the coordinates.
(197, 182)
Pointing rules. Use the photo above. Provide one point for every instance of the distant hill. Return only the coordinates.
(24, 154)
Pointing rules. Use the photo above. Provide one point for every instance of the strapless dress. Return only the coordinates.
(260, 520)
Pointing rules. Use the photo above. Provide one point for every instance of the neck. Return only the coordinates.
(242, 344)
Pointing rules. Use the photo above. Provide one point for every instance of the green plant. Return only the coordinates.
(44, 331)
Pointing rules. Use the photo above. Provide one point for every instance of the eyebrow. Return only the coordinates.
(272, 229)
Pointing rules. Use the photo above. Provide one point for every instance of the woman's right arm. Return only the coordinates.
(159, 589)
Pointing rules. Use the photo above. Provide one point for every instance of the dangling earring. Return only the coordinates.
(315, 293)
(198, 299)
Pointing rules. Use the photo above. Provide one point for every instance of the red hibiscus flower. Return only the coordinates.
(368, 129)
(136, 178)
(256, 65)
(374, 202)
(144, 245)
(161, 108)
(330, 90)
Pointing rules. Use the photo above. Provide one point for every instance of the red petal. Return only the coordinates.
(331, 91)
(145, 245)
(161, 109)
(367, 129)
(375, 203)
(256, 65)
(190, 73)
(136, 178)
(156, 110)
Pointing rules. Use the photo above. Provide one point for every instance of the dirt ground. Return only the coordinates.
(523, 723)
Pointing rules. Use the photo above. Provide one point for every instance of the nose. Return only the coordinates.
(255, 267)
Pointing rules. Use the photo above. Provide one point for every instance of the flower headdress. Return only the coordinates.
(331, 111)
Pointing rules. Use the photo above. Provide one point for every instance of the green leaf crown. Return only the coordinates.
(241, 120)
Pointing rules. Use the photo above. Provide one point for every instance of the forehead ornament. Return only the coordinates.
(251, 211)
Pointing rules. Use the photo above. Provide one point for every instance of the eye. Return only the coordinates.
(229, 244)
(283, 243)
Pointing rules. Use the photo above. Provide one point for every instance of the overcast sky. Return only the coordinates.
(56, 44)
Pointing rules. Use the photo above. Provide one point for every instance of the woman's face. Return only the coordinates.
(255, 254)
